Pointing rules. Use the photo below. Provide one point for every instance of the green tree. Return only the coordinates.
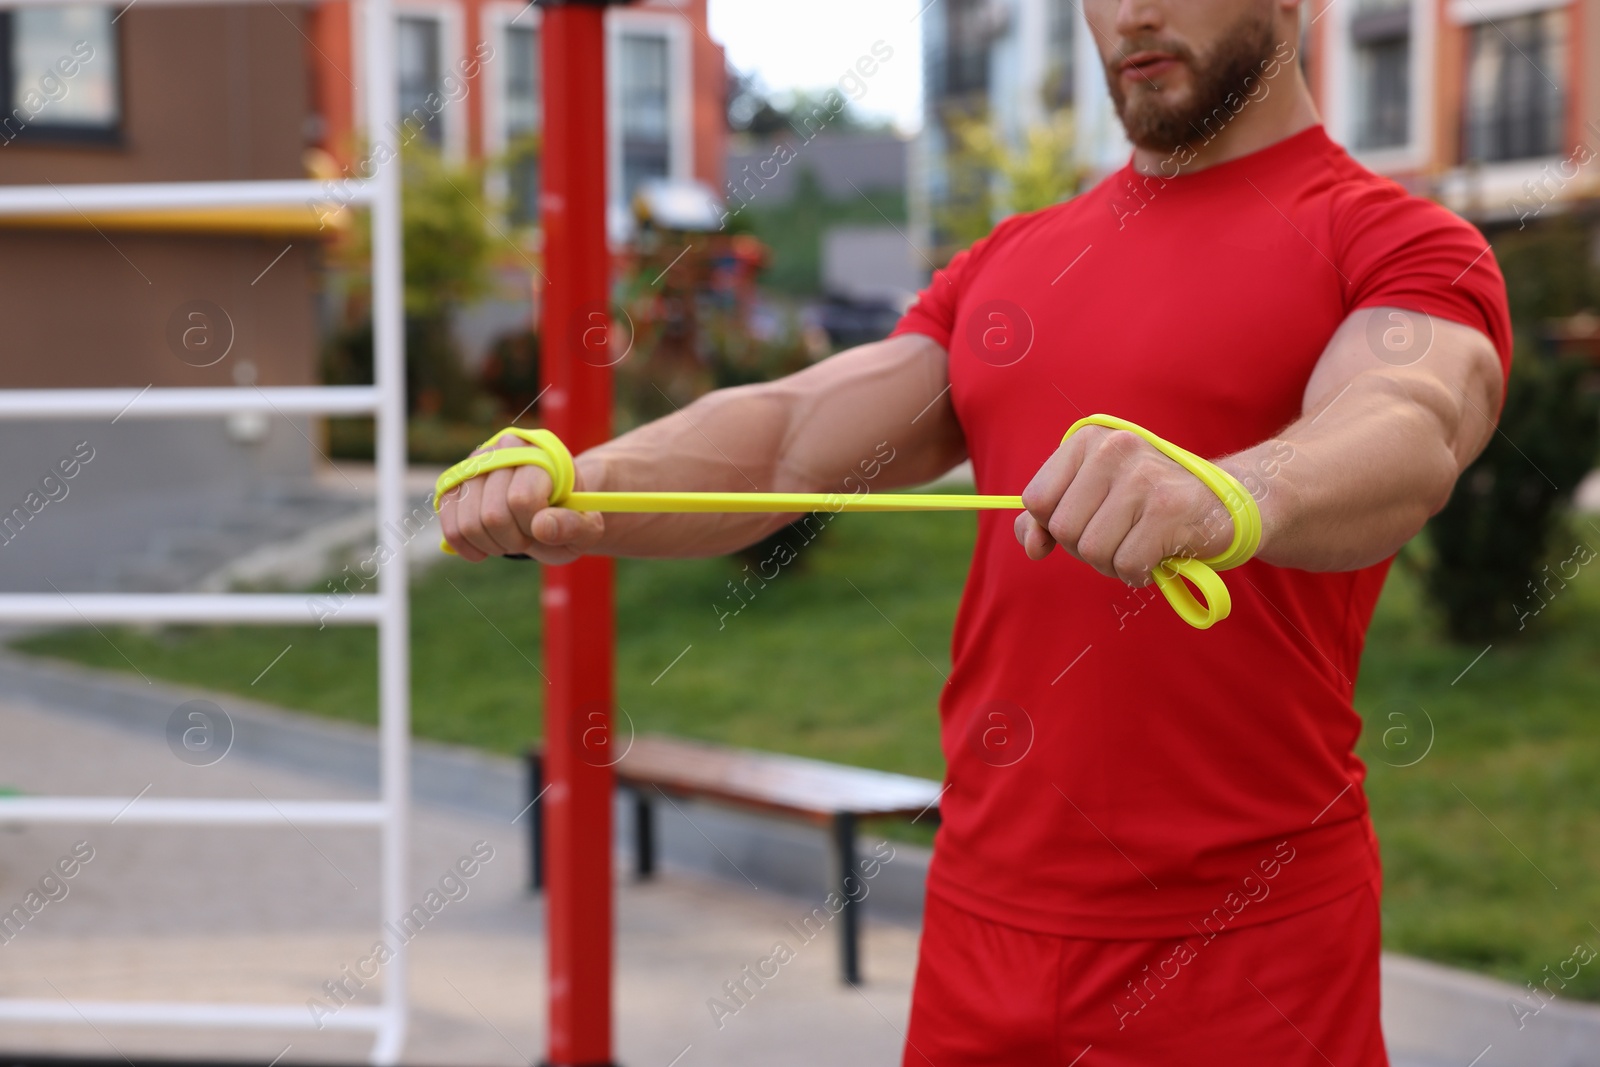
(447, 245)
(990, 178)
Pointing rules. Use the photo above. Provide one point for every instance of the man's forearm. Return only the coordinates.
(726, 441)
(832, 428)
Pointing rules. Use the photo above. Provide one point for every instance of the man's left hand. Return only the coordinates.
(1112, 500)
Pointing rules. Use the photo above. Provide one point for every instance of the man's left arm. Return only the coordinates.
(1376, 451)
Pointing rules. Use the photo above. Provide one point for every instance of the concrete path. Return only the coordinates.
(272, 914)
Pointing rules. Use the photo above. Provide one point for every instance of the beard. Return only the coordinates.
(1159, 126)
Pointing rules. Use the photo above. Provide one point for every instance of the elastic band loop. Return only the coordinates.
(546, 452)
(1169, 578)
(1242, 509)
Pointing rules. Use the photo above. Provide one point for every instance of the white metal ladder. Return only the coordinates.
(388, 608)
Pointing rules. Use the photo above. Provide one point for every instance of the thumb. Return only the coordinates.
(567, 528)
(1033, 537)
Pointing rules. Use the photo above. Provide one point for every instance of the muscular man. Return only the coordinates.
(1155, 843)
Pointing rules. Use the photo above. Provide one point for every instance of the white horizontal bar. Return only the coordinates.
(1474, 12)
(265, 608)
(144, 196)
(151, 403)
(191, 811)
(168, 1013)
(142, 3)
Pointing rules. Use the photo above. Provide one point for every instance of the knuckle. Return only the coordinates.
(469, 523)
(1163, 497)
(1035, 499)
(1131, 567)
(1124, 440)
(524, 499)
(1121, 444)
(497, 517)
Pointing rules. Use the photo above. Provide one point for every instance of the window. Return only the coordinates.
(1059, 63)
(645, 113)
(968, 31)
(58, 74)
(522, 81)
(417, 64)
(1381, 35)
(1515, 95)
(521, 95)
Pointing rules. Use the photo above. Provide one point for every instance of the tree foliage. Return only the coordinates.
(990, 178)
(447, 248)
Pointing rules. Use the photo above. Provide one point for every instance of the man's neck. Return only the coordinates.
(1285, 110)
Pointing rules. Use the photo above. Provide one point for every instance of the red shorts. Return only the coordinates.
(1301, 991)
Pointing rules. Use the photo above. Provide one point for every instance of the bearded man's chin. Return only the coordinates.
(1158, 127)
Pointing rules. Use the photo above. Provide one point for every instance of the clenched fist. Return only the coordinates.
(507, 513)
(1113, 500)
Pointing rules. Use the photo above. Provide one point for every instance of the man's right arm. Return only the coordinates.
(807, 433)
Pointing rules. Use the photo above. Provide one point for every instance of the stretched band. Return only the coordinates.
(545, 450)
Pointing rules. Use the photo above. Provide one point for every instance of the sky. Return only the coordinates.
(810, 44)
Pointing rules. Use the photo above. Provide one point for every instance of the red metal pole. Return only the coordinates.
(577, 598)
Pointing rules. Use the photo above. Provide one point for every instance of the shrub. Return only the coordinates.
(1491, 540)
(1494, 535)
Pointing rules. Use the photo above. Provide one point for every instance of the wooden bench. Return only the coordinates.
(829, 795)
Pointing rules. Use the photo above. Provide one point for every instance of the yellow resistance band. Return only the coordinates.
(546, 451)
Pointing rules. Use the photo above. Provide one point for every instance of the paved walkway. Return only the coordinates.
(271, 914)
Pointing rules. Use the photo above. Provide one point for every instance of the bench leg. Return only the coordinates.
(844, 844)
(644, 836)
(535, 822)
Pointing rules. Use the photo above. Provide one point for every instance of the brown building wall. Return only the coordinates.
(329, 29)
(1449, 88)
(710, 79)
(208, 93)
(82, 309)
(1585, 84)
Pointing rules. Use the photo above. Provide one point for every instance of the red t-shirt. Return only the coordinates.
(1113, 772)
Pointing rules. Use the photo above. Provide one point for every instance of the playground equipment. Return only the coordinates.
(387, 609)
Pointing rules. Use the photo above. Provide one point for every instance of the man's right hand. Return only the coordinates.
(507, 513)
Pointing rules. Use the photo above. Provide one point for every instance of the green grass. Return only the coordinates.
(1508, 886)
(810, 666)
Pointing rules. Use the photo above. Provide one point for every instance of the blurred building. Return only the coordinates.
(468, 74)
(95, 93)
(469, 82)
(843, 164)
(1482, 104)
(159, 92)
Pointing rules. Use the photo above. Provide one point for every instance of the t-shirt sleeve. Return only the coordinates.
(934, 313)
(1399, 250)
